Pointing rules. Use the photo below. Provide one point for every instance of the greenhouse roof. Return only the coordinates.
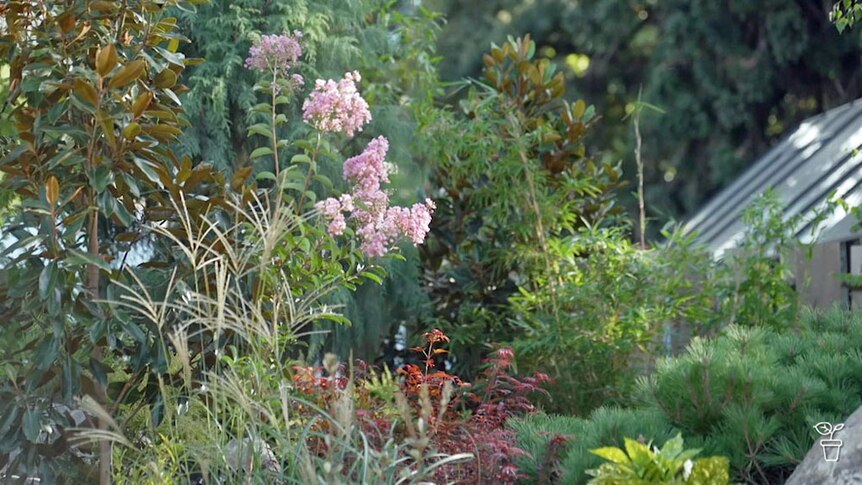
(820, 157)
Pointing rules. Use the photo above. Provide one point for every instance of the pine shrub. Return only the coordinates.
(750, 394)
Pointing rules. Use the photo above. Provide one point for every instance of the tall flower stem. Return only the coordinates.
(310, 172)
(274, 131)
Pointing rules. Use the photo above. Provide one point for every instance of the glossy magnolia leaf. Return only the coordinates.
(130, 72)
(78, 258)
(106, 59)
(32, 424)
(174, 58)
(48, 279)
(52, 191)
(86, 92)
(123, 215)
(100, 179)
(103, 6)
(141, 103)
(132, 130)
(165, 79)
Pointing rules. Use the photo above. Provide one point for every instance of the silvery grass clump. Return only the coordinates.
(236, 420)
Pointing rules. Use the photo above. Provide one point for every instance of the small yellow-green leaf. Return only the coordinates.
(132, 130)
(579, 108)
(106, 59)
(103, 6)
(130, 72)
(611, 454)
(52, 190)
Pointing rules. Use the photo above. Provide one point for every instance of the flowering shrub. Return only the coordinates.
(277, 54)
(337, 107)
(379, 224)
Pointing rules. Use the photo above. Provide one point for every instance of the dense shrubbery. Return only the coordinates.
(166, 296)
(139, 283)
(528, 248)
(750, 394)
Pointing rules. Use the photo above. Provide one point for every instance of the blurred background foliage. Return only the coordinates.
(732, 77)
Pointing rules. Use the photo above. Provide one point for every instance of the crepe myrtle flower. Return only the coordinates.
(277, 54)
(336, 106)
(379, 225)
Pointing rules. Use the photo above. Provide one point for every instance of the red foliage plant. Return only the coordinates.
(461, 418)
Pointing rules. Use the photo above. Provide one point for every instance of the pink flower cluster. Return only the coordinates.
(379, 224)
(277, 54)
(337, 106)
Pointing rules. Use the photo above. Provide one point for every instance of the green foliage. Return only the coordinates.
(221, 100)
(612, 299)
(391, 45)
(558, 446)
(223, 267)
(95, 102)
(757, 275)
(511, 174)
(733, 78)
(845, 14)
(244, 416)
(751, 394)
(641, 464)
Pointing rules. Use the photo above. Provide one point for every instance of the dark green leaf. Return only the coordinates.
(32, 424)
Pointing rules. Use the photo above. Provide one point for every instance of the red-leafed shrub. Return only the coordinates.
(435, 409)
